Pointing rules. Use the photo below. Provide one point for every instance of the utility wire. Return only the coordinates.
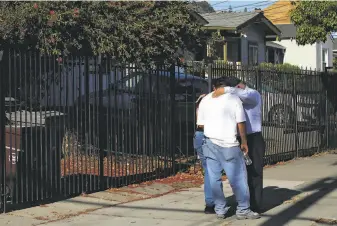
(238, 14)
(240, 6)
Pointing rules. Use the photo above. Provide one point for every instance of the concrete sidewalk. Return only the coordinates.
(301, 192)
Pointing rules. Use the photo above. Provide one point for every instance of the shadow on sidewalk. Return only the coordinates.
(319, 190)
(273, 196)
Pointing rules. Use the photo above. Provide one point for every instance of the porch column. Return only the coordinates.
(225, 51)
(208, 50)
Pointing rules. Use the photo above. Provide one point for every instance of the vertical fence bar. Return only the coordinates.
(209, 78)
(86, 124)
(172, 120)
(3, 83)
(296, 113)
(321, 132)
(326, 115)
(101, 123)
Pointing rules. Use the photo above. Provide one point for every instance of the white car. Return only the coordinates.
(282, 107)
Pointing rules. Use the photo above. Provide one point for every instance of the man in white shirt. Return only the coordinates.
(221, 117)
(252, 104)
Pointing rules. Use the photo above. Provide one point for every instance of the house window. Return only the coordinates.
(324, 59)
(271, 55)
(253, 54)
(233, 51)
(280, 56)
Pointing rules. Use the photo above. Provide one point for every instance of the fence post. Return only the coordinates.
(258, 79)
(172, 119)
(326, 116)
(327, 124)
(101, 123)
(2, 138)
(209, 78)
(294, 94)
(88, 120)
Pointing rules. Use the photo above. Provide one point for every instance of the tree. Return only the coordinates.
(131, 31)
(314, 20)
(202, 7)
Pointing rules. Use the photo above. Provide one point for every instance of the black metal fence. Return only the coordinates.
(75, 124)
(295, 111)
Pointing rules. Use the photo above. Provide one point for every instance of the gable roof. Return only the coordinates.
(228, 19)
(237, 20)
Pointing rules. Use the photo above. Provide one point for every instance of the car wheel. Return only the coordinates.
(281, 115)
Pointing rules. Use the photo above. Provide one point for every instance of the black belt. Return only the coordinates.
(254, 134)
(250, 135)
(200, 129)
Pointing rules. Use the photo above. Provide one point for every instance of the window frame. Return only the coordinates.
(253, 45)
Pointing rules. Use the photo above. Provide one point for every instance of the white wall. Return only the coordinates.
(254, 34)
(326, 45)
(303, 56)
(307, 56)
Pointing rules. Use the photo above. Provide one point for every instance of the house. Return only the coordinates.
(317, 56)
(243, 36)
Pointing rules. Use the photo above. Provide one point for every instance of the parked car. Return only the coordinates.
(140, 103)
(283, 108)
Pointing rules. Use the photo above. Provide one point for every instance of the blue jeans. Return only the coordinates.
(231, 160)
(197, 142)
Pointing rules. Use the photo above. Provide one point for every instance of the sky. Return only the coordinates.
(239, 5)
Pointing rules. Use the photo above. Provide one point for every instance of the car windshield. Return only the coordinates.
(134, 82)
(141, 82)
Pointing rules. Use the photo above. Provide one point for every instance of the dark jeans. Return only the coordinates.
(256, 151)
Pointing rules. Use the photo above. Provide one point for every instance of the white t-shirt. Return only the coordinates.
(220, 117)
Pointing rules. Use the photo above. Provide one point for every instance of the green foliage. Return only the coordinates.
(314, 20)
(286, 67)
(215, 40)
(202, 7)
(131, 31)
(335, 62)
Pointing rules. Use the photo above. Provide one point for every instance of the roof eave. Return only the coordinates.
(271, 26)
(248, 21)
(219, 28)
(198, 17)
(263, 19)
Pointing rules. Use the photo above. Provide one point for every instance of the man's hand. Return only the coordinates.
(242, 133)
(244, 148)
